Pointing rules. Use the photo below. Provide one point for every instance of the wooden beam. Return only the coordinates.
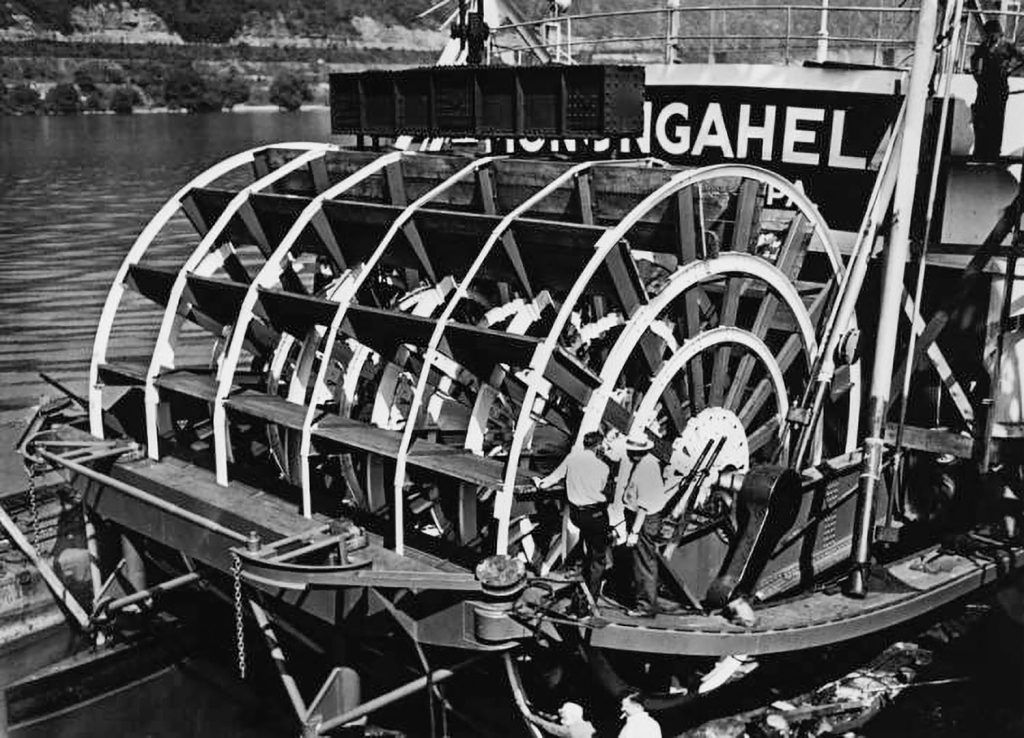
(962, 401)
(932, 440)
(195, 217)
(260, 165)
(763, 434)
(727, 316)
(252, 223)
(61, 593)
(233, 265)
(326, 234)
(790, 260)
(289, 279)
(787, 354)
(398, 196)
(629, 289)
(508, 240)
(586, 198)
(747, 213)
(318, 172)
(688, 230)
(958, 298)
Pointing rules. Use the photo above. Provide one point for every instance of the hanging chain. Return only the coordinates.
(33, 505)
(236, 572)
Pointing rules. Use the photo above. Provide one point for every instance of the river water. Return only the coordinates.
(74, 193)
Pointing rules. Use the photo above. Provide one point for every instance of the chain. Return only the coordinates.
(236, 572)
(33, 505)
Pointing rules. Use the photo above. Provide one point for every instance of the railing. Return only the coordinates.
(717, 33)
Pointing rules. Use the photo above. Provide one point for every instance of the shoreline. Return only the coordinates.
(163, 110)
(242, 108)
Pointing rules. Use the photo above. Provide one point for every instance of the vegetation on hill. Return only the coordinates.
(19, 100)
(181, 87)
(288, 92)
(221, 20)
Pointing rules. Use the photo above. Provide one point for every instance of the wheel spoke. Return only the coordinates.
(690, 232)
(689, 326)
(730, 305)
(785, 358)
(794, 247)
(747, 215)
(764, 434)
(789, 261)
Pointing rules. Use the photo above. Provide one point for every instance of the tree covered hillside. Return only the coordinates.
(218, 21)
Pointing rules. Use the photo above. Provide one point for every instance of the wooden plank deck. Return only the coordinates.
(816, 619)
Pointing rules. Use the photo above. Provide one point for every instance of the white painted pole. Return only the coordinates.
(822, 55)
(671, 30)
(892, 292)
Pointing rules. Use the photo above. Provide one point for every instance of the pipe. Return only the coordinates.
(160, 504)
(146, 594)
(92, 546)
(953, 13)
(435, 677)
(892, 294)
(279, 661)
(849, 290)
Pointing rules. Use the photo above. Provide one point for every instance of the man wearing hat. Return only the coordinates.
(645, 497)
(991, 64)
(586, 482)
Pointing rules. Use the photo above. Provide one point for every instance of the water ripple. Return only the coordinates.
(74, 193)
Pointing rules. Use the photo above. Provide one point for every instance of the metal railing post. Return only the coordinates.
(789, 30)
(568, 40)
(711, 37)
(896, 256)
(822, 56)
(671, 30)
(878, 39)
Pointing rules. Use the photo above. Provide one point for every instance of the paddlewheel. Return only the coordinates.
(447, 327)
(404, 340)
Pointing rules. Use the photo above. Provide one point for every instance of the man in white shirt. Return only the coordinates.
(571, 725)
(586, 482)
(638, 723)
(645, 496)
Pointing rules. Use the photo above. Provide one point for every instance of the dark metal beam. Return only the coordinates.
(578, 101)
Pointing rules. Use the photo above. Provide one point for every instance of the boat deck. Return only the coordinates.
(899, 592)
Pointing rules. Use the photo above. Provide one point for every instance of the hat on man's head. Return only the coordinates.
(571, 712)
(992, 26)
(639, 442)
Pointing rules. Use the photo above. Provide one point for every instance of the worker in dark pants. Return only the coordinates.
(645, 496)
(991, 64)
(586, 483)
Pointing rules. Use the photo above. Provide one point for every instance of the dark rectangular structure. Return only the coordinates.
(588, 101)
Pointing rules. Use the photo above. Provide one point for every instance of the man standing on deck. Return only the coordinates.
(645, 496)
(572, 724)
(991, 64)
(586, 482)
(639, 724)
